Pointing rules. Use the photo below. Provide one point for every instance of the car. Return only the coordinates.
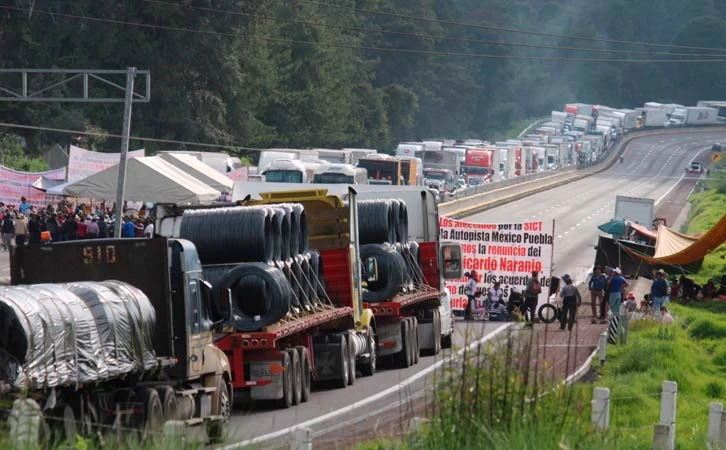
(716, 147)
(694, 167)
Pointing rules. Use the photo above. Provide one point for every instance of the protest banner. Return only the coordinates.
(507, 252)
(83, 163)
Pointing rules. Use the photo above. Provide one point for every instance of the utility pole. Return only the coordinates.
(121, 184)
(32, 85)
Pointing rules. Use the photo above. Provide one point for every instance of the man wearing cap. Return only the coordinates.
(616, 287)
(658, 290)
(571, 299)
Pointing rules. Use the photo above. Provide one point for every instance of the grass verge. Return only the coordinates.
(494, 399)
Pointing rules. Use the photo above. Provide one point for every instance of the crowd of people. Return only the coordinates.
(610, 295)
(25, 224)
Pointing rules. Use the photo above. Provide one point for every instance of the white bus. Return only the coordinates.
(340, 173)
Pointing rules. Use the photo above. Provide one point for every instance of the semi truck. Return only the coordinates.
(344, 335)
(479, 164)
(635, 209)
(115, 331)
(340, 173)
(384, 168)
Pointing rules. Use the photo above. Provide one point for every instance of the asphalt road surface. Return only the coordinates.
(653, 167)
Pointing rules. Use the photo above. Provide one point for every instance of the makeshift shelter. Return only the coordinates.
(200, 170)
(150, 179)
(675, 248)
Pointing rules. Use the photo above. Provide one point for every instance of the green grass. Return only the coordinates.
(707, 208)
(473, 413)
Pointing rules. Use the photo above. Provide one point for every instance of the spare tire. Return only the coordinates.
(260, 295)
(391, 269)
(226, 235)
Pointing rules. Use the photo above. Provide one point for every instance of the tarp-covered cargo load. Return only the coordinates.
(64, 334)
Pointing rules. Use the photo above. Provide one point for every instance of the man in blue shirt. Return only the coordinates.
(658, 291)
(597, 289)
(128, 230)
(615, 290)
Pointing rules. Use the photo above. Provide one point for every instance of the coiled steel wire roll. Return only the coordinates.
(260, 294)
(298, 282)
(316, 264)
(402, 228)
(308, 280)
(234, 234)
(391, 272)
(376, 222)
(298, 213)
(284, 213)
(286, 268)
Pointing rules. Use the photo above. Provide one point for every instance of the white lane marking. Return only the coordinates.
(365, 401)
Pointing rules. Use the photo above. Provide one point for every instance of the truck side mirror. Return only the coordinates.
(451, 259)
(371, 270)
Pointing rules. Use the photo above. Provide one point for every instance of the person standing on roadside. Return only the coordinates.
(571, 300)
(21, 230)
(658, 290)
(470, 290)
(597, 290)
(7, 231)
(615, 291)
(531, 295)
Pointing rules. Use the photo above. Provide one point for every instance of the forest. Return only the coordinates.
(356, 73)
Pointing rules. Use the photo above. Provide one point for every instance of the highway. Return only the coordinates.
(653, 167)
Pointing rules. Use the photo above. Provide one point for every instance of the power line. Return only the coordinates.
(424, 35)
(360, 47)
(133, 138)
(505, 29)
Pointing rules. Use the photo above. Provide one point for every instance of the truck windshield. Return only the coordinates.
(283, 176)
(472, 170)
(435, 176)
(333, 178)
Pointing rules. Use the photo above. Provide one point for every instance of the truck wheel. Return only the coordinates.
(437, 332)
(351, 363)
(218, 429)
(296, 376)
(547, 313)
(415, 347)
(286, 400)
(343, 369)
(151, 419)
(169, 403)
(369, 367)
(404, 356)
(447, 341)
(304, 373)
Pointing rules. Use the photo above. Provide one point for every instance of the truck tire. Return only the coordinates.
(547, 313)
(351, 362)
(151, 420)
(305, 373)
(448, 340)
(404, 356)
(368, 368)
(344, 362)
(219, 429)
(415, 347)
(169, 403)
(287, 388)
(436, 331)
(296, 375)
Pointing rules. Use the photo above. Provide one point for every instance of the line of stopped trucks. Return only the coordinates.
(205, 347)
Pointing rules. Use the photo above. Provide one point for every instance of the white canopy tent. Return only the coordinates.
(200, 170)
(149, 179)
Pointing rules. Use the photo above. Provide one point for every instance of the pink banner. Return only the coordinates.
(240, 174)
(83, 163)
(10, 193)
(14, 176)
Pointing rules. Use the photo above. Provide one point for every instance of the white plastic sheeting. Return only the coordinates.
(64, 334)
